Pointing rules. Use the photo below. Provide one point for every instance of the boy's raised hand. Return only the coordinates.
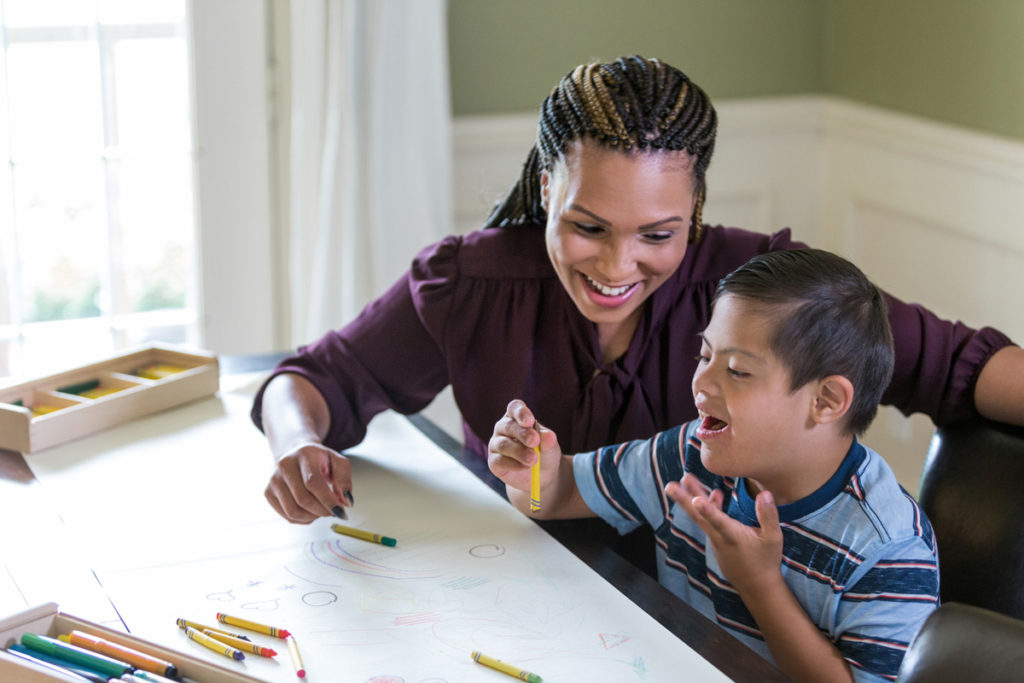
(750, 557)
(510, 451)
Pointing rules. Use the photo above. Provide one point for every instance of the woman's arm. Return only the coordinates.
(309, 479)
(999, 393)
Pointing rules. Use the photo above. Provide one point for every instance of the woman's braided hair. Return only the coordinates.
(629, 104)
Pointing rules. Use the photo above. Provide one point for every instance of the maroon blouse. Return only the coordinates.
(486, 313)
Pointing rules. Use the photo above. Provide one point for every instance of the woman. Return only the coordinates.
(584, 298)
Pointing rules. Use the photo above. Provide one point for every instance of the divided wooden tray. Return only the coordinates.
(48, 620)
(54, 409)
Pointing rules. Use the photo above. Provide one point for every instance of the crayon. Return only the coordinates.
(239, 644)
(535, 483)
(252, 625)
(505, 668)
(64, 668)
(78, 387)
(215, 645)
(293, 650)
(139, 660)
(365, 535)
(43, 409)
(182, 623)
(51, 646)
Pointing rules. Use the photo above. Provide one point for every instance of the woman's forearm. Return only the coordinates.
(999, 393)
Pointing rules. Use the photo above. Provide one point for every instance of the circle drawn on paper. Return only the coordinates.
(487, 551)
(319, 598)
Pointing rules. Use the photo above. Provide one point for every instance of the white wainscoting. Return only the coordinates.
(932, 213)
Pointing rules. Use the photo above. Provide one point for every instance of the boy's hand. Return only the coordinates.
(510, 451)
(749, 557)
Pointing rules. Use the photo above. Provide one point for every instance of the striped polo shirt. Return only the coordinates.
(858, 553)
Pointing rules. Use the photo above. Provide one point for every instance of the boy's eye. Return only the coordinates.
(738, 373)
(701, 358)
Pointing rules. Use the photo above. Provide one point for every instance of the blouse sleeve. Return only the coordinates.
(389, 357)
(937, 362)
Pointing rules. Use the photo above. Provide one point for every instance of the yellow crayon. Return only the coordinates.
(535, 483)
(365, 535)
(238, 643)
(505, 668)
(252, 625)
(182, 623)
(215, 645)
(99, 392)
(293, 650)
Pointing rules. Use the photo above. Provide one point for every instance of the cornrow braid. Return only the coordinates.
(629, 104)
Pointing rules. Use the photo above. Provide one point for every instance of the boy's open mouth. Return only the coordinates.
(710, 423)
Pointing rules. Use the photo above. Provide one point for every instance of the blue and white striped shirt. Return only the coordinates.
(858, 553)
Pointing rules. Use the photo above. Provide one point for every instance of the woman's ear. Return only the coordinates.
(833, 399)
(545, 188)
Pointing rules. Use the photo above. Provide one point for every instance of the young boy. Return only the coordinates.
(769, 516)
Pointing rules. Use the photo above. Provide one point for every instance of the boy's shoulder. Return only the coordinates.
(888, 513)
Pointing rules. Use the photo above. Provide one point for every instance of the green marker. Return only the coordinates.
(79, 387)
(107, 666)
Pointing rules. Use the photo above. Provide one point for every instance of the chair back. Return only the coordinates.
(965, 643)
(972, 489)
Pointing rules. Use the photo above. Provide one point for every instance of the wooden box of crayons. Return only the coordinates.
(50, 410)
(48, 620)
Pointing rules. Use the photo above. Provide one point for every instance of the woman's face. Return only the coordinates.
(618, 225)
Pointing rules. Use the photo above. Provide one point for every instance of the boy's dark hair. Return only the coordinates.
(831, 321)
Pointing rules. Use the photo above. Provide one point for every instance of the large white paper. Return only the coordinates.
(171, 509)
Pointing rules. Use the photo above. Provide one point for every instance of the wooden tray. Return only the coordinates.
(48, 620)
(51, 410)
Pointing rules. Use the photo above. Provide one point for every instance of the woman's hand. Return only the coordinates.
(310, 481)
(511, 450)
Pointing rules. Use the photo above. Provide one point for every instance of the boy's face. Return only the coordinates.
(751, 422)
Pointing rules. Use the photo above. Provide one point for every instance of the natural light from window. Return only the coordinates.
(97, 221)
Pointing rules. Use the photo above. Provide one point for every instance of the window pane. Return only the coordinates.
(136, 12)
(60, 221)
(155, 233)
(55, 100)
(28, 13)
(152, 95)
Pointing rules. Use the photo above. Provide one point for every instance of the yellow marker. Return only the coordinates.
(182, 623)
(157, 371)
(215, 645)
(505, 668)
(252, 625)
(99, 392)
(365, 535)
(535, 483)
(293, 650)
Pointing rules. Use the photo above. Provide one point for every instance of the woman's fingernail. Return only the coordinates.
(339, 512)
(348, 497)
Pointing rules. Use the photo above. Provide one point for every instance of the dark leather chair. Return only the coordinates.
(972, 489)
(965, 643)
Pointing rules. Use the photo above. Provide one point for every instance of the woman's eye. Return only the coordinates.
(589, 229)
(657, 236)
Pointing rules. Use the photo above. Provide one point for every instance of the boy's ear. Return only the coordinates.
(832, 400)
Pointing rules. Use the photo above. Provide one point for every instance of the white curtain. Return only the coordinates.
(368, 151)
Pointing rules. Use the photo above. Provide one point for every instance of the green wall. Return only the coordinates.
(506, 56)
(956, 61)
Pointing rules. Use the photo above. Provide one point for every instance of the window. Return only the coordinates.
(97, 212)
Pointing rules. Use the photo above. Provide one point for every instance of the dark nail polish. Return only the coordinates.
(339, 512)
(348, 497)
